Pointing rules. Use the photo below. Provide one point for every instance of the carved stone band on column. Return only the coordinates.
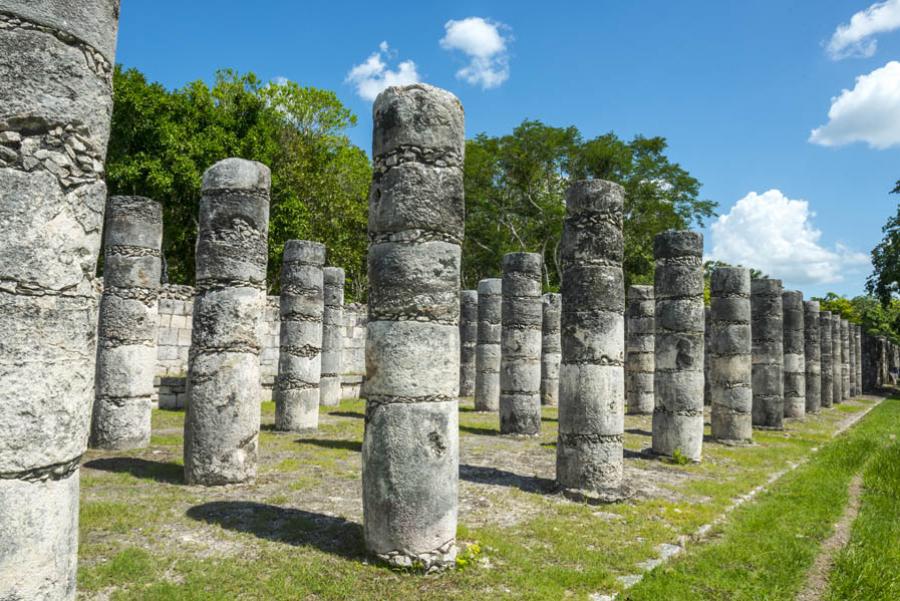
(332, 337)
(768, 353)
(794, 353)
(487, 352)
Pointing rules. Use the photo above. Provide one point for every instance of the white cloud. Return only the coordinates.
(855, 38)
(373, 75)
(775, 234)
(870, 112)
(486, 47)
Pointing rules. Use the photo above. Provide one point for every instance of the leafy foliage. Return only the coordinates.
(885, 279)
(876, 318)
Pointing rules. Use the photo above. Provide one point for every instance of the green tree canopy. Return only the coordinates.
(884, 282)
(876, 318)
(162, 141)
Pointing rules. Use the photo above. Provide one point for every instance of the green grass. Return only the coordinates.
(765, 548)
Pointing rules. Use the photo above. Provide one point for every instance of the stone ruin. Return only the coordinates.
(468, 341)
(550, 349)
(487, 349)
(767, 328)
(794, 347)
(640, 357)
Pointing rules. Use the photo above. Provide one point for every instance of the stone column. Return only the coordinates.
(640, 357)
(812, 346)
(827, 362)
(730, 355)
(56, 62)
(589, 456)
(851, 335)
(301, 306)
(837, 395)
(869, 365)
(859, 359)
(410, 452)
(520, 345)
(221, 427)
(332, 337)
(845, 359)
(707, 389)
(129, 322)
(487, 352)
(768, 353)
(550, 349)
(468, 341)
(678, 384)
(794, 351)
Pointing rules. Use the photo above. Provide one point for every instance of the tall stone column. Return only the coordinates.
(859, 359)
(768, 353)
(487, 352)
(468, 341)
(410, 452)
(730, 355)
(589, 456)
(678, 384)
(827, 359)
(221, 427)
(812, 346)
(128, 327)
(332, 337)
(794, 353)
(301, 306)
(851, 336)
(56, 62)
(837, 378)
(845, 359)
(640, 357)
(550, 349)
(707, 328)
(520, 345)
(869, 365)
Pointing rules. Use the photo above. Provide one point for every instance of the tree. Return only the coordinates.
(884, 282)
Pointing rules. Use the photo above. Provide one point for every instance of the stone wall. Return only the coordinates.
(176, 320)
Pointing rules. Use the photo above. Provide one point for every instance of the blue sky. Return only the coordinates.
(736, 87)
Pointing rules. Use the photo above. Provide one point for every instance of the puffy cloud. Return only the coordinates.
(855, 38)
(775, 234)
(870, 112)
(373, 75)
(485, 46)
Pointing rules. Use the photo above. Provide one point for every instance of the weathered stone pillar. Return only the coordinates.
(851, 336)
(128, 327)
(332, 337)
(221, 427)
(301, 305)
(768, 353)
(468, 341)
(812, 346)
(827, 359)
(838, 395)
(730, 355)
(487, 353)
(550, 349)
(589, 456)
(410, 452)
(859, 359)
(794, 352)
(707, 388)
(869, 365)
(640, 358)
(520, 345)
(678, 384)
(56, 62)
(845, 359)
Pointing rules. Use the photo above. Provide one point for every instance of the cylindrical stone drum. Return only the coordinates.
(550, 349)
(410, 451)
(813, 356)
(707, 329)
(487, 351)
(678, 383)
(592, 376)
(768, 353)
(640, 357)
(520, 345)
(468, 341)
(332, 337)
(859, 359)
(794, 353)
(836, 359)
(827, 359)
(301, 305)
(730, 355)
(845, 360)
(221, 427)
(851, 332)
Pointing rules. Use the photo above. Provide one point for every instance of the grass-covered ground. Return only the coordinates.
(296, 533)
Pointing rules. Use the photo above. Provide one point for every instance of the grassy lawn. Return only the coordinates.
(296, 533)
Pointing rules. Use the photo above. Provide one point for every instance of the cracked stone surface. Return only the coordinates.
(332, 337)
(487, 351)
(826, 395)
(640, 357)
(794, 354)
(812, 344)
(768, 353)
(468, 341)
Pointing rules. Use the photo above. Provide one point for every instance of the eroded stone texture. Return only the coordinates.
(827, 359)
(812, 345)
(837, 395)
(410, 452)
(859, 359)
(707, 329)
(768, 353)
(794, 353)
(550, 349)
(221, 428)
(332, 337)
(56, 59)
(730, 355)
(845, 359)
(640, 357)
(678, 382)
(592, 374)
(129, 320)
(302, 305)
(487, 352)
(468, 341)
(851, 335)
(520, 345)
